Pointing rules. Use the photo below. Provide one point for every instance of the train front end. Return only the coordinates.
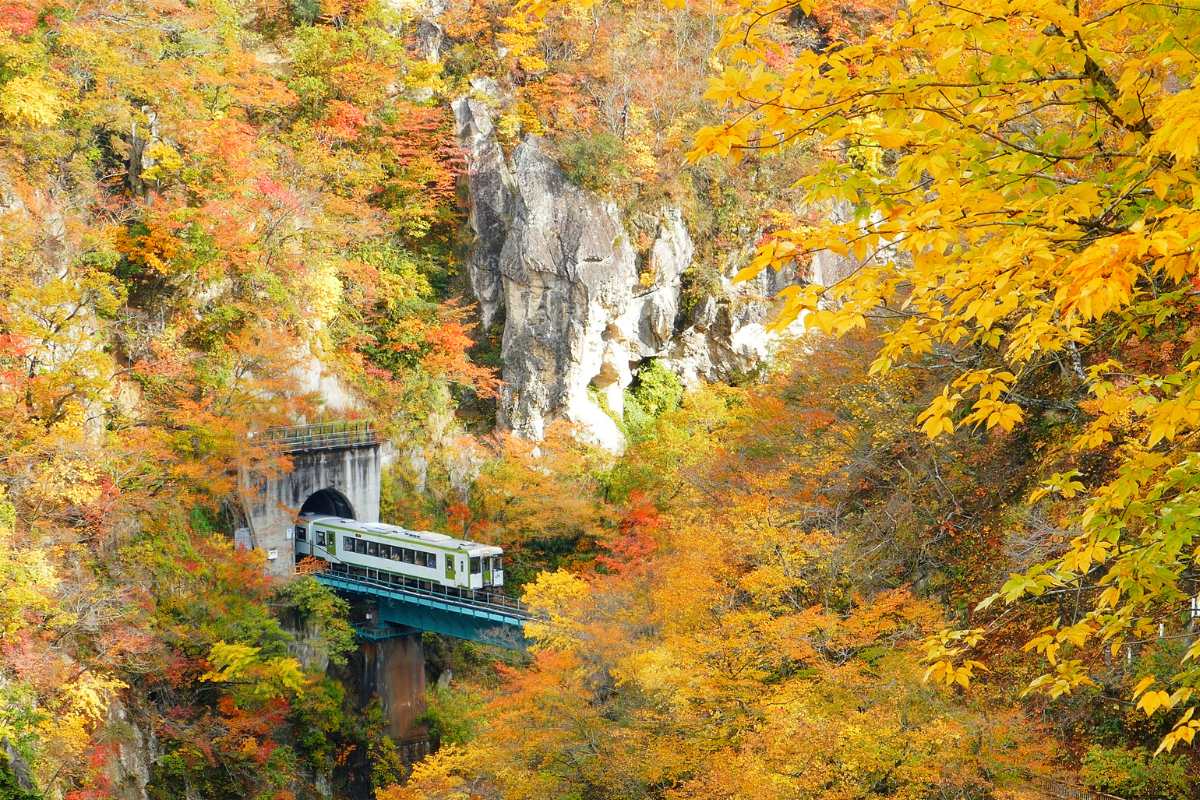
(486, 567)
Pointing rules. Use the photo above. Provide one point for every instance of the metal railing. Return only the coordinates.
(490, 602)
(323, 436)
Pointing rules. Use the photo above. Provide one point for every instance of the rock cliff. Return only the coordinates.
(580, 311)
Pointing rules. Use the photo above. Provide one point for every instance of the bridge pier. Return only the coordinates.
(393, 669)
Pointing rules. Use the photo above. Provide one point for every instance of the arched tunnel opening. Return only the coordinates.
(328, 502)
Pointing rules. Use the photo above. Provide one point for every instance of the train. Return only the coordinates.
(394, 555)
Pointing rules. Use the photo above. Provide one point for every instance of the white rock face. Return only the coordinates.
(492, 189)
(315, 378)
(566, 273)
(554, 264)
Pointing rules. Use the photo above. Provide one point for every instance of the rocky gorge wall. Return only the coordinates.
(581, 311)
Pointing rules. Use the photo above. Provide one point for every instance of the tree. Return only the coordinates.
(195, 203)
(743, 637)
(1022, 183)
(542, 500)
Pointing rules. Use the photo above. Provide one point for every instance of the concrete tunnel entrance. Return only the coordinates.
(329, 502)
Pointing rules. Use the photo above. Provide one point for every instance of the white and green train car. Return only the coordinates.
(394, 555)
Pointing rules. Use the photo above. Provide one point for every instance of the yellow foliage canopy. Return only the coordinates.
(1023, 183)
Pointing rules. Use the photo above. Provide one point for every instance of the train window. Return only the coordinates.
(385, 551)
(372, 548)
(362, 546)
(320, 538)
(497, 564)
(430, 560)
(301, 533)
(408, 556)
(476, 566)
(397, 554)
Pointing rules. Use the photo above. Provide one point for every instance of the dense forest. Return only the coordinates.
(827, 370)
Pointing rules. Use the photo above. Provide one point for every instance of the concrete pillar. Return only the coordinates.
(394, 671)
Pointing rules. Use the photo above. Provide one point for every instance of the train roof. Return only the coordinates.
(440, 539)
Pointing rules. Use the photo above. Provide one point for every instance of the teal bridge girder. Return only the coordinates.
(402, 609)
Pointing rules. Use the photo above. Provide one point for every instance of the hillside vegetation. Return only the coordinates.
(198, 199)
(945, 546)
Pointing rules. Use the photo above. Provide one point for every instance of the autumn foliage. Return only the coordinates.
(197, 202)
(944, 548)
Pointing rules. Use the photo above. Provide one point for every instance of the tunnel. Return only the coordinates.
(329, 502)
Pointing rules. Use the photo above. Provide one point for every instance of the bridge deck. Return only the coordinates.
(505, 613)
(482, 620)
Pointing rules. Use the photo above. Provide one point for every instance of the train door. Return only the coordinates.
(300, 533)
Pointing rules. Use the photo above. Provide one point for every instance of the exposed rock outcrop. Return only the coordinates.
(136, 748)
(566, 271)
(15, 774)
(491, 188)
(554, 264)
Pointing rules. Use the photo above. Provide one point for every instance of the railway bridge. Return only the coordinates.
(401, 610)
(335, 470)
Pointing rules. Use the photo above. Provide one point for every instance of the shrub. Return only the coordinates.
(1135, 773)
(594, 161)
